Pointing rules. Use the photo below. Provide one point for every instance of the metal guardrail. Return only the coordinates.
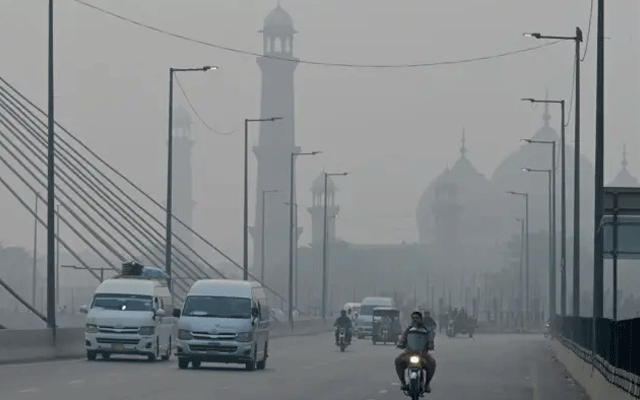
(615, 357)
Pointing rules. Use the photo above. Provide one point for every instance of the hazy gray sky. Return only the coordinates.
(395, 130)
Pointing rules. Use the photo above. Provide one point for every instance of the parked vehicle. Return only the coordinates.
(224, 321)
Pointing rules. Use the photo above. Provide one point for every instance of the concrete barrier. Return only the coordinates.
(19, 346)
(596, 385)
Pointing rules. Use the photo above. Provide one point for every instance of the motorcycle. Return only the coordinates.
(417, 340)
(547, 330)
(342, 339)
(385, 334)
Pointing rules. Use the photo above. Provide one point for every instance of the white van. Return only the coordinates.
(364, 322)
(225, 321)
(127, 316)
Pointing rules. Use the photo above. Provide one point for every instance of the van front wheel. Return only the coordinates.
(263, 364)
(183, 363)
(253, 364)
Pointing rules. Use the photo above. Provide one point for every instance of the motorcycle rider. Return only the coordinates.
(402, 361)
(430, 323)
(344, 322)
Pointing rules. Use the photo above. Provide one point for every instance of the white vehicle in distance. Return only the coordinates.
(127, 316)
(224, 321)
(364, 322)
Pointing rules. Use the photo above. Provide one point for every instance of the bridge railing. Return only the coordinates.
(617, 354)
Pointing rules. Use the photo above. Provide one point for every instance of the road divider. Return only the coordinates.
(21, 346)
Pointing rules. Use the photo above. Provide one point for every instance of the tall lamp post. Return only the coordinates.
(324, 244)
(520, 272)
(576, 198)
(552, 224)
(291, 192)
(563, 204)
(526, 247)
(245, 228)
(35, 255)
(51, 211)
(264, 198)
(172, 72)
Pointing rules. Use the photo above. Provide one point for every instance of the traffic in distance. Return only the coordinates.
(228, 321)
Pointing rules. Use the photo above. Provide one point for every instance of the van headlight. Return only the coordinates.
(184, 334)
(91, 328)
(414, 360)
(245, 336)
(147, 331)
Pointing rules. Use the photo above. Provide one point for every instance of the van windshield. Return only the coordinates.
(217, 307)
(367, 310)
(122, 302)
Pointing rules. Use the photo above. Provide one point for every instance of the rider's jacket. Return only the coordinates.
(403, 339)
(343, 322)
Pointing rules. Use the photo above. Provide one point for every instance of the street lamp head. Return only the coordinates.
(313, 153)
(209, 67)
(525, 140)
(529, 99)
(526, 169)
(535, 35)
(275, 119)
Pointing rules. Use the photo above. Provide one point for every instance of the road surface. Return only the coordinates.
(491, 367)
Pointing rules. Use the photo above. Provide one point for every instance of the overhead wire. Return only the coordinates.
(193, 109)
(87, 163)
(586, 46)
(128, 235)
(309, 62)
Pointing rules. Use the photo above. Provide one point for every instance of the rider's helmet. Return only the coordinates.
(349, 311)
(343, 312)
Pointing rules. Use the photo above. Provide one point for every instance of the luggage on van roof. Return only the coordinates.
(135, 269)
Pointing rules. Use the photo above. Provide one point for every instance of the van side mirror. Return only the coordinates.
(176, 312)
(255, 312)
(84, 309)
(160, 312)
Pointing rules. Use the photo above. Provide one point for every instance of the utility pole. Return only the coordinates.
(51, 215)
(598, 268)
(35, 256)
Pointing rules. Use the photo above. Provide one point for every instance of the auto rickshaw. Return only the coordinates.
(386, 325)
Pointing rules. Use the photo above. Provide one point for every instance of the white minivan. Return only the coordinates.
(364, 322)
(224, 321)
(128, 315)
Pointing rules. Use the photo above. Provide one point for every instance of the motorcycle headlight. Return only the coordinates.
(414, 360)
(147, 331)
(245, 336)
(184, 334)
(91, 328)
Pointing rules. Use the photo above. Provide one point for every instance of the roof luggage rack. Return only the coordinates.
(135, 270)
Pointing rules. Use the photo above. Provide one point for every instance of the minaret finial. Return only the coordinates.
(624, 156)
(546, 117)
(463, 147)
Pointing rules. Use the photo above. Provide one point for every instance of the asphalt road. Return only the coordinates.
(491, 367)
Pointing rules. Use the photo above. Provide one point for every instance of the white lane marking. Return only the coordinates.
(76, 382)
(29, 365)
(395, 384)
(30, 390)
(383, 391)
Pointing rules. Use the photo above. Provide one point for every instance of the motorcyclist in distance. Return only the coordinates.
(344, 322)
(402, 361)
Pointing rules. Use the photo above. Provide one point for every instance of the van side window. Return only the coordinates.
(155, 303)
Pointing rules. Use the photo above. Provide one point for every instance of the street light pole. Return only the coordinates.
(264, 193)
(526, 203)
(552, 222)
(325, 235)
(58, 259)
(291, 192)
(563, 207)
(520, 282)
(245, 227)
(35, 255)
(51, 214)
(169, 216)
(576, 197)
